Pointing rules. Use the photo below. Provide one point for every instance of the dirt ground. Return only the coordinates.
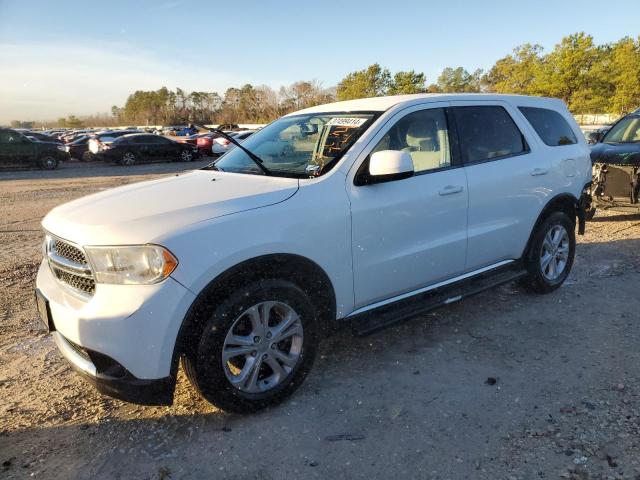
(413, 401)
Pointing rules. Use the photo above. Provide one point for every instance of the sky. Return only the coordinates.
(81, 57)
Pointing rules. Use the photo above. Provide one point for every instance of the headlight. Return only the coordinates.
(62, 148)
(131, 265)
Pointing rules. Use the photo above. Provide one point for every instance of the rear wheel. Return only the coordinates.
(48, 162)
(86, 157)
(256, 348)
(128, 158)
(551, 253)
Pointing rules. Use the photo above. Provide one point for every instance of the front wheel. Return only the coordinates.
(551, 254)
(128, 159)
(256, 348)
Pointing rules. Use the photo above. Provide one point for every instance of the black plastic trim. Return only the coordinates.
(132, 389)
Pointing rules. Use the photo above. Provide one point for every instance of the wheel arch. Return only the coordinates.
(302, 271)
(564, 202)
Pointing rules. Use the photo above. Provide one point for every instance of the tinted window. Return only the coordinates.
(424, 135)
(552, 128)
(487, 132)
(157, 139)
(9, 136)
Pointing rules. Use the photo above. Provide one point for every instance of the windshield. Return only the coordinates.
(301, 145)
(626, 130)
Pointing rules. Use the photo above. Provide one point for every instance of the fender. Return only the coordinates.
(563, 202)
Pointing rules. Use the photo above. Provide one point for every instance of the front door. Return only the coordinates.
(410, 233)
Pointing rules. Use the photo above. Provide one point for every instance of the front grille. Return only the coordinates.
(68, 251)
(69, 264)
(84, 284)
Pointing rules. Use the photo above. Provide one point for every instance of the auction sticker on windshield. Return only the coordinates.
(347, 122)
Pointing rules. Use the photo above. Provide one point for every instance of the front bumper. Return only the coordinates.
(129, 332)
(120, 383)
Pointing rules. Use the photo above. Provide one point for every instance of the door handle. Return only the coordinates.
(450, 189)
(539, 171)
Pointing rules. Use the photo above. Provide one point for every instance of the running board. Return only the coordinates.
(391, 314)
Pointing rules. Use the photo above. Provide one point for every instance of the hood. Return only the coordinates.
(616, 153)
(141, 212)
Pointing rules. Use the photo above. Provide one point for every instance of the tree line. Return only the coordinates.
(590, 78)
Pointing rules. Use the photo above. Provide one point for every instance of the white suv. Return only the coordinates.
(368, 211)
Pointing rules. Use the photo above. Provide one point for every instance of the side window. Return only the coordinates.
(487, 132)
(424, 134)
(552, 128)
(8, 136)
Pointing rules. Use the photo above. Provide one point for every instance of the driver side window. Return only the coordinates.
(424, 135)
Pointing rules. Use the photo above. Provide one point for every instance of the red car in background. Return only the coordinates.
(204, 142)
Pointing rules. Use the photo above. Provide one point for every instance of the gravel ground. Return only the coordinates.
(503, 385)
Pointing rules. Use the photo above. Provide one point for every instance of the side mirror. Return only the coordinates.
(389, 165)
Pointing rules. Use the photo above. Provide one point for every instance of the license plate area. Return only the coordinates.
(44, 311)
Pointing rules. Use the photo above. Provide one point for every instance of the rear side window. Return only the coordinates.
(552, 128)
(487, 132)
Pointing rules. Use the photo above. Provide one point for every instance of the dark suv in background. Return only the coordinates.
(17, 150)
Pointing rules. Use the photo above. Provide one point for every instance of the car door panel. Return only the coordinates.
(506, 194)
(407, 234)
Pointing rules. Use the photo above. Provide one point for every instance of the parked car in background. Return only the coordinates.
(368, 211)
(172, 130)
(145, 147)
(228, 127)
(220, 145)
(616, 168)
(204, 142)
(79, 149)
(98, 141)
(43, 138)
(16, 150)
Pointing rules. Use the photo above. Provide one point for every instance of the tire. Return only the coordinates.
(551, 253)
(86, 157)
(229, 383)
(128, 159)
(48, 162)
(186, 156)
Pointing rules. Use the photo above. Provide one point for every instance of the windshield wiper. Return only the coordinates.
(256, 159)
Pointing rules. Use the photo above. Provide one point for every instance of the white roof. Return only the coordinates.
(380, 104)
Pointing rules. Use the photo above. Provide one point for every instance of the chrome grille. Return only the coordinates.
(68, 251)
(84, 284)
(69, 265)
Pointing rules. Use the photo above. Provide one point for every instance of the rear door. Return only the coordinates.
(505, 170)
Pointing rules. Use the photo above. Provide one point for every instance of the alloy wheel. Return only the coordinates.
(554, 253)
(128, 159)
(262, 347)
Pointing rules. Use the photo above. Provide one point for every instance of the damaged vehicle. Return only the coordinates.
(368, 212)
(616, 168)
